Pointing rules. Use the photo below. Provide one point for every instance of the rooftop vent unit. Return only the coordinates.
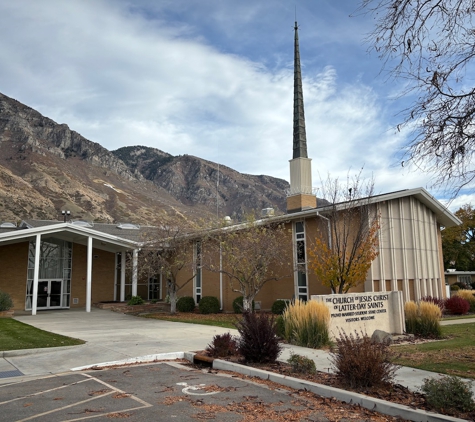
(128, 226)
(267, 212)
(82, 223)
(7, 225)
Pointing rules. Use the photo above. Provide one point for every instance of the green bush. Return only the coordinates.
(185, 304)
(301, 364)
(449, 393)
(135, 300)
(238, 305)
(454, 287)
(209, 305)
(6, 302)
(278, 307)
(280, 326)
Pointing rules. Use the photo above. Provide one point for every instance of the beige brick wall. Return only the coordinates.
(14, 272)
(103, 268)
(300, 202)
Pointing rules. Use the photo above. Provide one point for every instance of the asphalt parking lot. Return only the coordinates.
(152, 392)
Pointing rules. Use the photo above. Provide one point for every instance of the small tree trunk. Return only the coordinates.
(247, 303)
(172, 294)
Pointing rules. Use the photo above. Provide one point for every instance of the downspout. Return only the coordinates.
(220, 277)
(329, 229)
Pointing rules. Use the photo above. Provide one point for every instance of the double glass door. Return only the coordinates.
(49, 294)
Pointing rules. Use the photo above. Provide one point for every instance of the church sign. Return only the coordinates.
(365, 312)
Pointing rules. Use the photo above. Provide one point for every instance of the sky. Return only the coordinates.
(214, 79)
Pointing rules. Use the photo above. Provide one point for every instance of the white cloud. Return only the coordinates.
(159, 74)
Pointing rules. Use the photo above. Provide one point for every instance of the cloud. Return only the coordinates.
(209, 79)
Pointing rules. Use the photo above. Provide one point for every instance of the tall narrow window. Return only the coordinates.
(301, 285)
(198, 273)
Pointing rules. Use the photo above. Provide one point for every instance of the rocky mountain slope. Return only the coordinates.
(45, 167)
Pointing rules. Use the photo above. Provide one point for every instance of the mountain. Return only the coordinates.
(45, 167)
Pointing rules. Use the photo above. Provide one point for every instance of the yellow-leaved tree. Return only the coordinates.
(341, 255)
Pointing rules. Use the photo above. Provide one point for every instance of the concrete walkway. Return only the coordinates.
(113, 336)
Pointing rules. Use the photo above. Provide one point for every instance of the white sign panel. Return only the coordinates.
(365, 312)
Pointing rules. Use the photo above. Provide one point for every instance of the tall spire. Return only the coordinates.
(300, 137)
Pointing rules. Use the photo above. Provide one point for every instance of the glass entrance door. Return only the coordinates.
(49, 294)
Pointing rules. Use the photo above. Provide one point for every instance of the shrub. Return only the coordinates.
(449, 393)
(361, 362)
(238, 305)
(153, 300)
(435, 300)
(222, 345)
(258, 341)
(209, 305)
(301, 364)
(306, 324)
(135, 300)
(457, 305)
(278, 307)
(469, 296)
(454, 287)
(185, 304)
(280, 326)
(6, 302)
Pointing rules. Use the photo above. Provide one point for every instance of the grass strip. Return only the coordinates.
(218, 320)
(453, 355)
(15, 335)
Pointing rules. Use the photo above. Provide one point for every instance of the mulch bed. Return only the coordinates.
(395, 393)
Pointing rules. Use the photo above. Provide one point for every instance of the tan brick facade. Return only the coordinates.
(103, 270)
(301, 202)
(14, 272)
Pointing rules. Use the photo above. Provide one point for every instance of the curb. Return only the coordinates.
(370, 403)
(139, 359)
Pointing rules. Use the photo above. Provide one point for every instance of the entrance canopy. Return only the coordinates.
(81, 233)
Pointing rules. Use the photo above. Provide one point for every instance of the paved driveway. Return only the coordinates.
(110, 336)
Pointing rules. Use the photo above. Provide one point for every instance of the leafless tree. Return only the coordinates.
(169, 250)
(253, 253)
(430, 45)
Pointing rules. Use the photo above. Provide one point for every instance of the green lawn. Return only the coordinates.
(219, 320)
(453, 355)
(15, 335)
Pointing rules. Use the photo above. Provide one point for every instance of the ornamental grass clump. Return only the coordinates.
(361, 362)
(411, 311)
(429, 314)
(423, 319)
(468, 295)
(307, 324)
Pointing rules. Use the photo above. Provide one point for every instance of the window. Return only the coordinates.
(301, 285)
(55, 264)
(198, 272)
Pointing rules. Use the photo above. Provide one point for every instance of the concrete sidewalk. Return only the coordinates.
(113, 337)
